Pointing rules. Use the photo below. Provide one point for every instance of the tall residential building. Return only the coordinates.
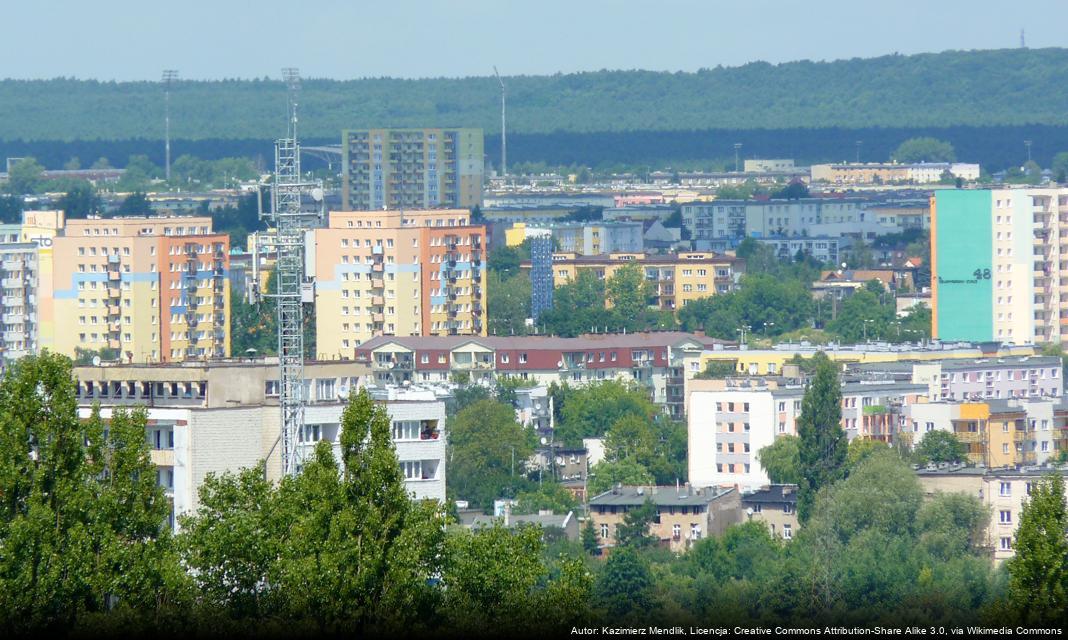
(998, 265)
(675, 279)
(411, 168)
(143, 289)
(541, 275)
(19, 275)
(410, 273)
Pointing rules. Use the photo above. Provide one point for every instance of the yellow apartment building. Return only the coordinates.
(140, 289)
(401, 273)
(676, 279)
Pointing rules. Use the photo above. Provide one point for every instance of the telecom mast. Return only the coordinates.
(504, 127)
(289, 226)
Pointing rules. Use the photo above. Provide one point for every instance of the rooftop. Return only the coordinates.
(633, 496)
(776, 493)
(518, 343)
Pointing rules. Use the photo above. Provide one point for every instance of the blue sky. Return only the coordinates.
(210, 39)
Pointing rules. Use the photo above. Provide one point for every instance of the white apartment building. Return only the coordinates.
(730, 421)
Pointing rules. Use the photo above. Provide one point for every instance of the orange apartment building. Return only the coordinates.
(143, 289)
(401, 273)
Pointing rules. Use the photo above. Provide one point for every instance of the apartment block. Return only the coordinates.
(654, 360)
(684, 515)
(397, 273)
(999, 269)
(19, 277)
(149, 289)
(729, 421)
(675, 279)
(996, 377)
(1004, 492)
(597, 239)
(208, 418)
(998, 433)
(411, 168)
(884, 173)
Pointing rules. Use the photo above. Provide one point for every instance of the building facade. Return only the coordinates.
(397, 273)
(19, 277)
(675, 279)
(998, 270)
(541, 275)
(886, 173)
(684, 515)
(411, 168)
(654, 360)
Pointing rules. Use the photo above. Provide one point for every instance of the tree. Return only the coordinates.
(589, 538)
(628, 290)
(822, 448)
(924, 150)
(11, 209)
(625, 584)
(135, 204)
(465, 396)
(940, 446)
(1059, 167)
(793, 191)
(591, 410)
(764, 302)
(82, 522)
(863, 317)
(26, 176)
(1038, 573)
(487, 452)
(81, 201)
(860, 449)
(548, 496)
(510, 305)
(605, 475)
(781, 460)
(633, 531)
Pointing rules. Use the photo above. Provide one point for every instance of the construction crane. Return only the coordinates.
(504, 127)
(289, 223)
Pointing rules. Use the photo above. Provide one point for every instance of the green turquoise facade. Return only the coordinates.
(962, 265)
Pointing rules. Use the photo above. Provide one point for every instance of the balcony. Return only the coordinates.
(970, 436)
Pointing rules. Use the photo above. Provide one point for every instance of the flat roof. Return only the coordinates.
(631, 496)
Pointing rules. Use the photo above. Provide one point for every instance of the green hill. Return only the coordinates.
(979, 88)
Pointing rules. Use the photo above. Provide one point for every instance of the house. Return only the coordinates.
(775, 505)
(684, 514)
(567, 524)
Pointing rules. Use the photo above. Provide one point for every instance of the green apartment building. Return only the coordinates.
(411, 168)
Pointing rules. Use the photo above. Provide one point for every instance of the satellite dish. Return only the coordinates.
(96, 361)
(544, 440)
(317, 194)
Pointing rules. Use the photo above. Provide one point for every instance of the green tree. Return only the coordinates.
(781, 460)
(26, 177)
(1038, 573)
(1059, 167)
(628, 290)
(625, 584)
(510, 306)
(605, 475)
(862, 316)
(11, 209)
(81, 201)
(589, 538)
(590, 411)
(135, 204)
(822, 448)
(487, 453)
(940, 446)
(924, 150)
(633, 531)
(860, 449)
(82, 522)
(632, 436)
(546, 496)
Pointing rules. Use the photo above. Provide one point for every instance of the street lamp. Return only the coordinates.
(866, 328)
(766, 325)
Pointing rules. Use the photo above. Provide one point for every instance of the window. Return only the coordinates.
(324, 389)
(1006, 543)
(1005, 516)
(271, 389)
(788, 508)
(1005, 489)
(406, 430)
(676, 531)
(604, 532)
(787, 532)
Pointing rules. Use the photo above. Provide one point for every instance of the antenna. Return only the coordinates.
(737, 147)
(290, 224)
(504, 125)
(169, 76)
(1023, 41)
(291, 76)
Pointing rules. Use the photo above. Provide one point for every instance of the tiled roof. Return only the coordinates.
(519, 343)
(632, 496)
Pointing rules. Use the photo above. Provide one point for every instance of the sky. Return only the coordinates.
(345, 39)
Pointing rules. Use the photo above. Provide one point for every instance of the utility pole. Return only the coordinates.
(169, 76)
(737, 164)
(504, 125)
(1027, 143)
(859, 142)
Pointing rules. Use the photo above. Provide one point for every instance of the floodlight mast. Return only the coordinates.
(169, 76)
(504, 125)
(290, 222)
